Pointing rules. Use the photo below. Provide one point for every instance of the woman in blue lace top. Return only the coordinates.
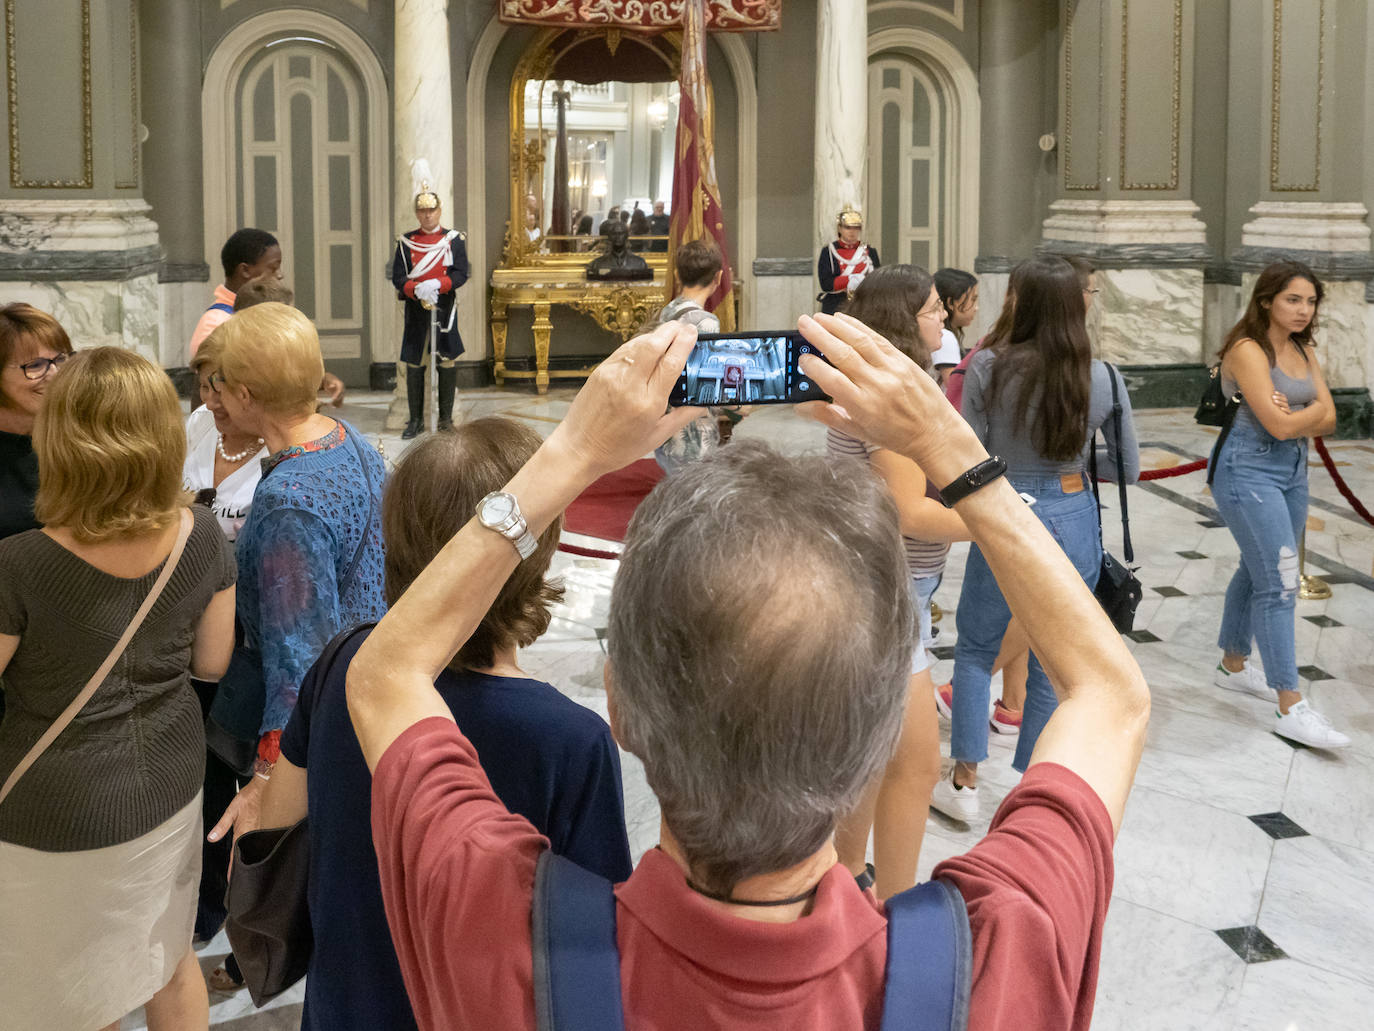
(310, 554)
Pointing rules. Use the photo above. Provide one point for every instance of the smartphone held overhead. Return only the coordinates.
(759, 368)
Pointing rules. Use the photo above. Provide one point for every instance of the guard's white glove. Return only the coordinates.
(427, 290)
(854, 280)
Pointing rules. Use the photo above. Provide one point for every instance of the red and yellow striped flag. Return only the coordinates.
(697, 213)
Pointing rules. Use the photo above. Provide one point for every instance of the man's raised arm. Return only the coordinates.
(880, 395)
(616, 418)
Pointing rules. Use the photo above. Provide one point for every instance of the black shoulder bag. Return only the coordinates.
(269, 913)
(1118, 591)
(1216, 409)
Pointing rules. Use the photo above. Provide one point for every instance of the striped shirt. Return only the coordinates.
(923, 558)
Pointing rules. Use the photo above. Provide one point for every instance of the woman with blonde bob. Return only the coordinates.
(100, 836)
(310, 552)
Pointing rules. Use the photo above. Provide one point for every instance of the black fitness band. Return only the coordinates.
(979, 476)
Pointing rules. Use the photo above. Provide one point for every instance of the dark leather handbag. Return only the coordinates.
(1118, 591)
(269, 916)
(1216, 409)
(269, 912)
(231, 730)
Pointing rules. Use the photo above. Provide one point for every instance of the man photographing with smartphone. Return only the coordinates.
(756, 728)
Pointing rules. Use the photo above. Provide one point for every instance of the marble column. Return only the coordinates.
(76, 239)
(841, 142)
(1016, 82)
(1125, 149)
(172, 162)
(423, 126)
(1310, 179)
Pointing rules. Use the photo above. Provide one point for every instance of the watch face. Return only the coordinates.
(497, 508)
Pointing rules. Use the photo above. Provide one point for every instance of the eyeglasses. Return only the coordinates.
(937, 311)
(215, 381)
(38, 367)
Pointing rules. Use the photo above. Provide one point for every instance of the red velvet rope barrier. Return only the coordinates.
(1174, 470)
(1341, 485)
(577, 549)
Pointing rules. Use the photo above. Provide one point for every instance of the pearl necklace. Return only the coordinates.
(231, 459)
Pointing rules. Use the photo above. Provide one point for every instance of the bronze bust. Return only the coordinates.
(619, 262)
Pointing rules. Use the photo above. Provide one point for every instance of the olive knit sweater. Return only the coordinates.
(135, 753)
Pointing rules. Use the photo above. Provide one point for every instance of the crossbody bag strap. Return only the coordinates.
(576, 958)
(347, 580)
(79, 702)
(1120, 467)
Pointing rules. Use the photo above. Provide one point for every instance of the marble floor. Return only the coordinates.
(1244, 893)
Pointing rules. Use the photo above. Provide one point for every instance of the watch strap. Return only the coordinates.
(979, 476)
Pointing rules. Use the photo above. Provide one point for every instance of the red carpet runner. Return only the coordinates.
(604, 509)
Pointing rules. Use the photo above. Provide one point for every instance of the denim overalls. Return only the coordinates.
(1260, 488)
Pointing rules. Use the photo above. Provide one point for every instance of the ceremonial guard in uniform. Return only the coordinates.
(431, 263)
(844, 262)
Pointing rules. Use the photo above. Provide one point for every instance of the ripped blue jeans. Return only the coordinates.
(1260, 488)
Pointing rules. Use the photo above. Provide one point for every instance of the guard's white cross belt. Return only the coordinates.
(426, 257)
(851, 266)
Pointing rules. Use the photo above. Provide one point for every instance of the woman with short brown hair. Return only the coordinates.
(33, 345)
(100, 835)
(547, 757)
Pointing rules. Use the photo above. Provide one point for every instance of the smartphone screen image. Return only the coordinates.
(746, 369)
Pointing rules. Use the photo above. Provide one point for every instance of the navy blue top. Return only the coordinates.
(548, 759)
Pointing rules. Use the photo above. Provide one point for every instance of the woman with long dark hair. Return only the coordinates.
(1260, 488)
(1035, 398)
(901, 303)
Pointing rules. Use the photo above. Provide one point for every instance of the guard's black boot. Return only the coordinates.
(448, 387)
(415, 400)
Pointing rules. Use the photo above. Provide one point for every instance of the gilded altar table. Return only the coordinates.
(541, 281)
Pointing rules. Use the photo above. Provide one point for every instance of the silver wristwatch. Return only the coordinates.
(500, 511)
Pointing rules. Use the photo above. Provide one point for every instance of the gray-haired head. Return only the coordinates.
(760, 642)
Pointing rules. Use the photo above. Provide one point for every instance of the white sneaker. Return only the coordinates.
(1306, 725)
(1250, 680)
(955, 802)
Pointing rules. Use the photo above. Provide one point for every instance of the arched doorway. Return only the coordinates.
(906, 184)
(296, 113)
(922, 150)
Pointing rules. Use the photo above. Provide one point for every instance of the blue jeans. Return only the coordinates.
(983, 615)
(1260, 488)
(922, 590)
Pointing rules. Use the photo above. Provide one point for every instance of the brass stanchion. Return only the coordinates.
(1310, 588)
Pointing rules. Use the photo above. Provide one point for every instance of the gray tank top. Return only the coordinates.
(1300, 392)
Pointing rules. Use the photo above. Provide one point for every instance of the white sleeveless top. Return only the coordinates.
(234, 496)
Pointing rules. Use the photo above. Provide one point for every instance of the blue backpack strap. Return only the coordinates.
(576, 960)
(228, 309)
(929, 960)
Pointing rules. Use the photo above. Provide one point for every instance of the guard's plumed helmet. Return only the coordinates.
(849, 218)
(426, 199)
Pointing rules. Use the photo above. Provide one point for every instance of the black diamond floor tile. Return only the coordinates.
(1323, 621)
(944, 651)
(1190, 554)
(1251, 944)
(1277, 826)
(1170, 591)
(1143, 637)
(1314, 673)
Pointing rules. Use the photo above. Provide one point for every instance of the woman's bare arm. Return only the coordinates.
(1247, 364)
(922, 517)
